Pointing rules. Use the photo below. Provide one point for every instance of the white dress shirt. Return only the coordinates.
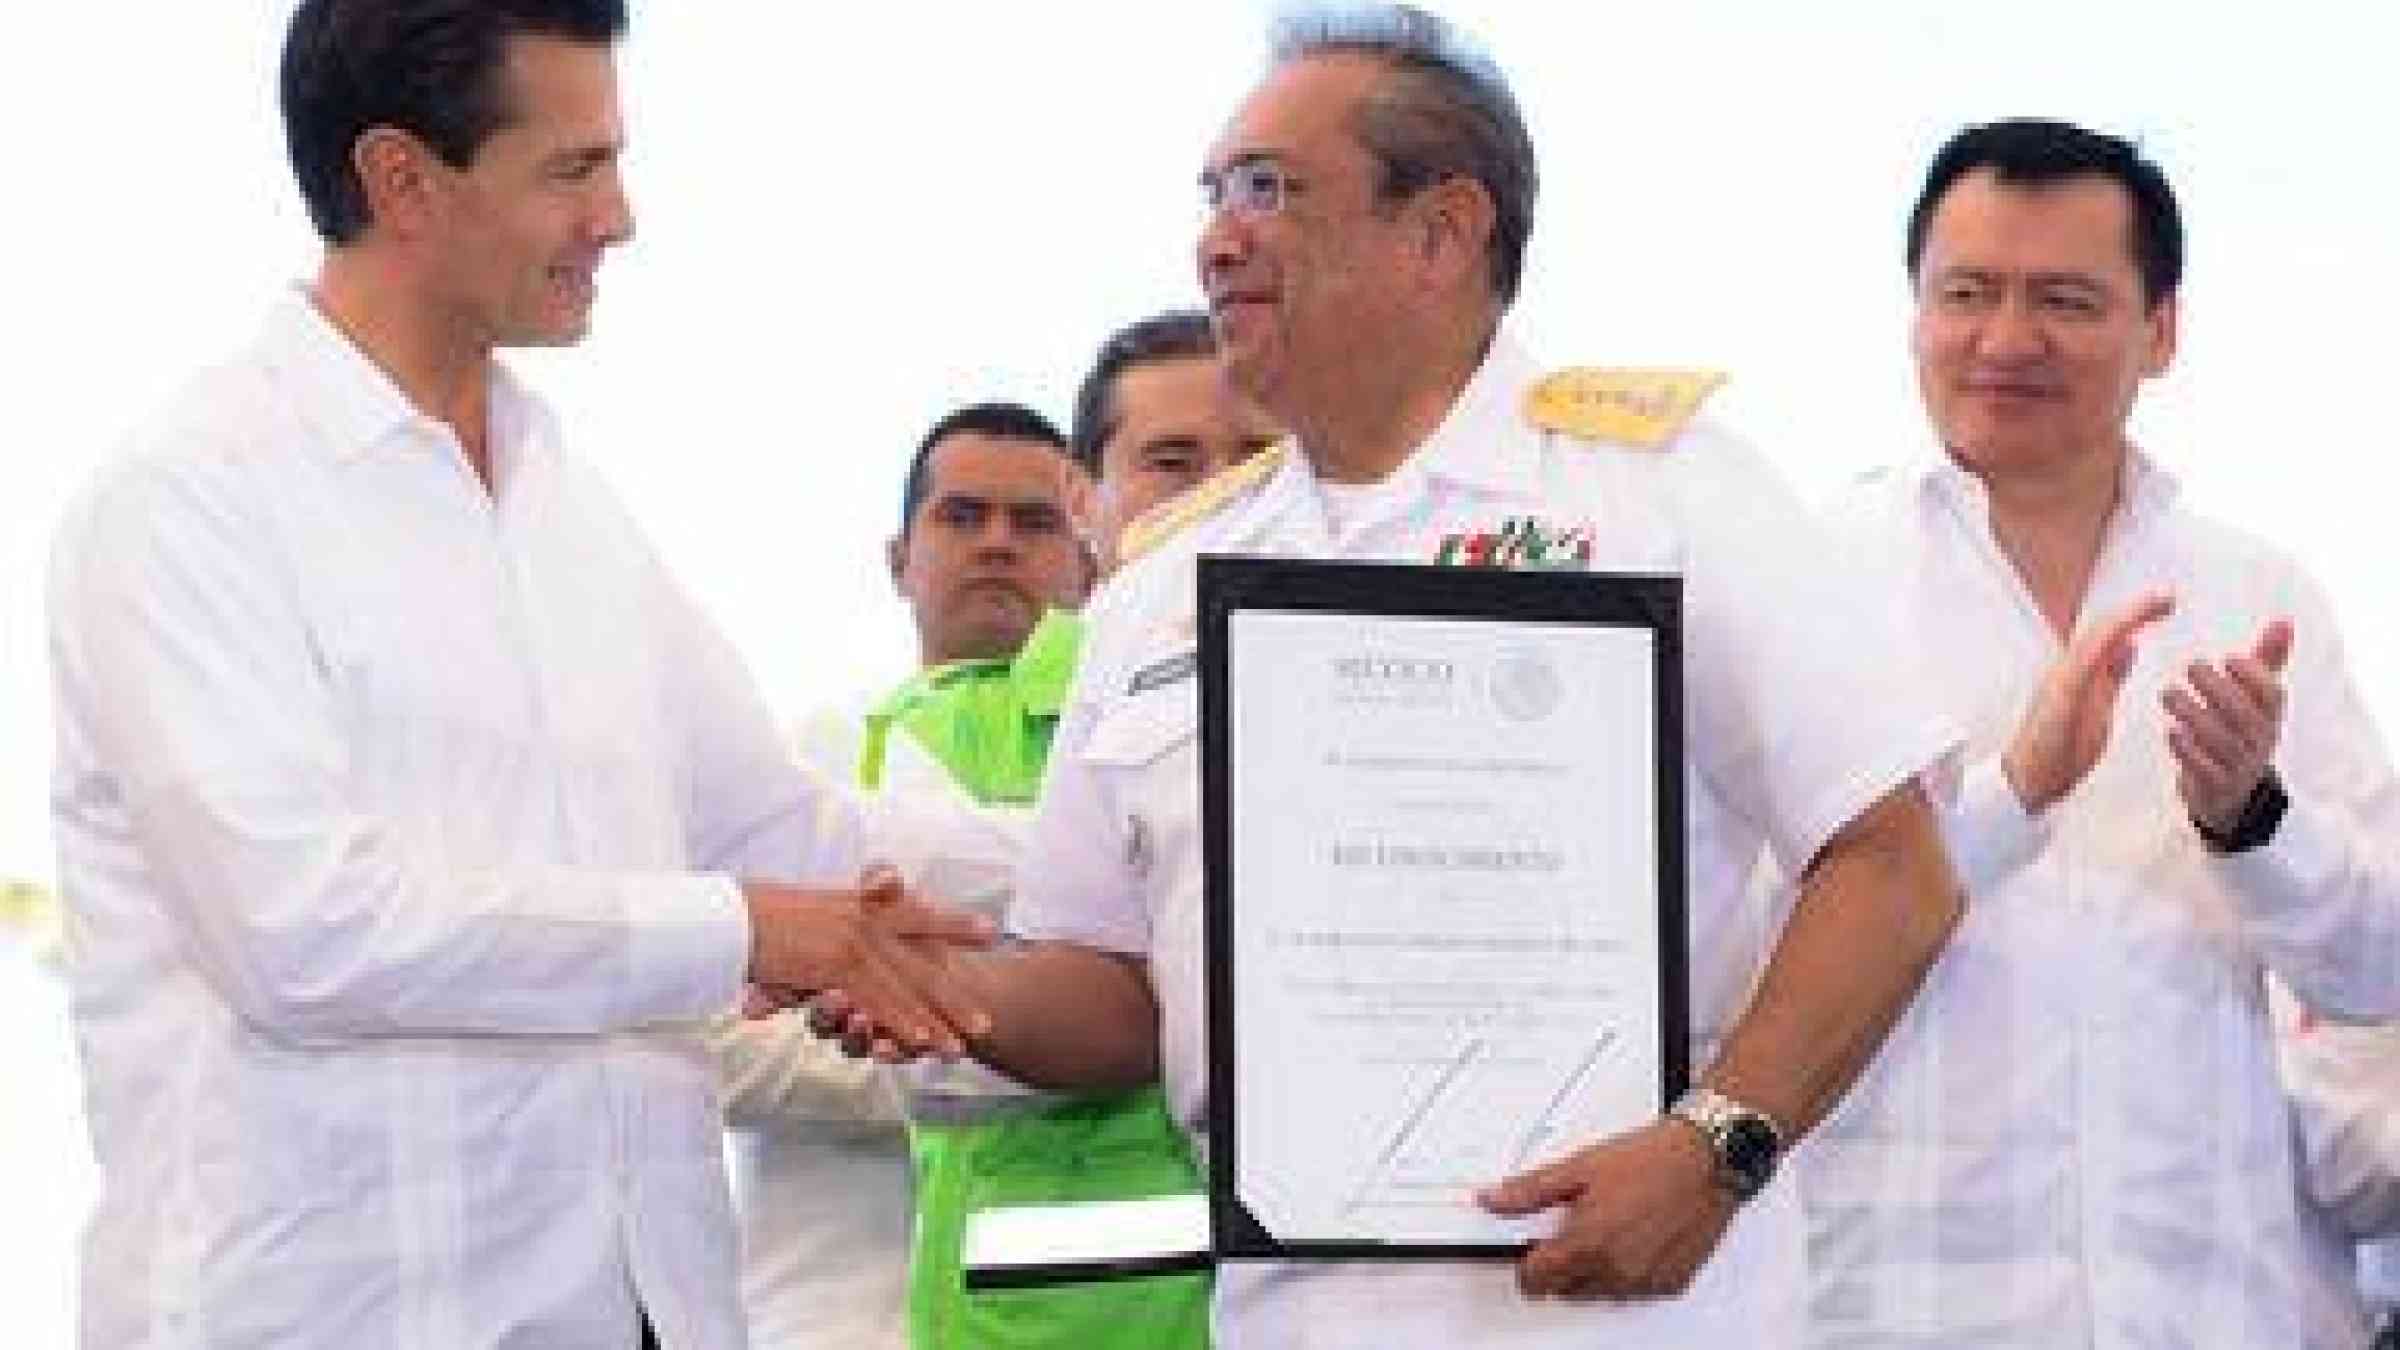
(1770, 642)
(2076, 1137)
(383, 806)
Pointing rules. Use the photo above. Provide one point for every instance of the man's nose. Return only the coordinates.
(2012, 331)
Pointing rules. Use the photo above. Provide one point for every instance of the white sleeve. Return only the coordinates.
(182, 652)
(1076, 882)
(775, 1069)
(2345, 1087)
(1802, 706)
(965, 854)
(947, 845)
(1985, 826)
(2320, 900)
(753, 808)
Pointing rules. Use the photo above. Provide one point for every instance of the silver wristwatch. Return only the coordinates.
(1747, 1141)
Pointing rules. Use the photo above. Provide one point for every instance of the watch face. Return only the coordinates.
(1749, 1151)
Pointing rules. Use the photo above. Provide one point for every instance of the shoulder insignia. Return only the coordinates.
(1163, 521)
(1643, 408)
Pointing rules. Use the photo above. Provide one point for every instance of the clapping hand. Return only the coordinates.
(2224, 721)
(2067, 727)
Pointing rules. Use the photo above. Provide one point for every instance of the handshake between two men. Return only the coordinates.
(876, 961)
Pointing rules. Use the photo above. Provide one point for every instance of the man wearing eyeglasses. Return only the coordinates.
(1369, 209)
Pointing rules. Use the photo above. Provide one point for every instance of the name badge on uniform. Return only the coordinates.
(1159, 674)
(1519, 542)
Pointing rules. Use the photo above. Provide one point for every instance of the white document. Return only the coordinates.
(1446, 899)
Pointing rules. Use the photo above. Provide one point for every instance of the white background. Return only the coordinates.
(853, 218)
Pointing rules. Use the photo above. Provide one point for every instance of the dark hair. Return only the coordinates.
(2033, 151)
(431, 68)
(1444, 111)
(1177, 335)
(1001, 421)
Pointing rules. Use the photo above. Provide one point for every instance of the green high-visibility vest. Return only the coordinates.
(989, 724)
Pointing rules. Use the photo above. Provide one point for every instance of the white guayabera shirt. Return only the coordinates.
(2076, 1137)
(1776, 645)
(382, 807)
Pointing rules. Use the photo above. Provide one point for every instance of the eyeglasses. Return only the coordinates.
(1250, 187)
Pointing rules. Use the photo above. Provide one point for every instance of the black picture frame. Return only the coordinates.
(1231, 584)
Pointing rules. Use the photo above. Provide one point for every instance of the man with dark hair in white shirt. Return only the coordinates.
(400, 797)
(2076, 1136)
(1154, 418)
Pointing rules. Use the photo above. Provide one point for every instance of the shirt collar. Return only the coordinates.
(2149, 487)
(2145, 489)
(357, 406)
(1483, 442)
(351, 401)
(1039, 673)
(1291, 488)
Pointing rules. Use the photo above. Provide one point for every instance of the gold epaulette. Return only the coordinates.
(1161, 522)
(1643, 408)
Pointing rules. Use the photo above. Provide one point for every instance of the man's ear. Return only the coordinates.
(1457, 219)
(895, 558)
(1082, 496)
(2164, 319)
(397, 172)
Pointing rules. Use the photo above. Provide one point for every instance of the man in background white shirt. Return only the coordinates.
(1154, 418)
(981, 553)
(820, 1146)
(399, 795)
(2076, 1136)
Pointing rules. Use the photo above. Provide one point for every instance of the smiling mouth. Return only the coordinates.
(2012, 390)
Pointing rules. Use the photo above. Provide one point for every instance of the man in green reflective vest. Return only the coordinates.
(988, 558)
(990, 562)
(822, 1150)
(982, 708)
(1153, 417)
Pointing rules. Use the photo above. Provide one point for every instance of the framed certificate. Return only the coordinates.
(1444, 844)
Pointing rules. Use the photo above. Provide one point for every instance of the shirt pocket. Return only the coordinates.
(1141, 755)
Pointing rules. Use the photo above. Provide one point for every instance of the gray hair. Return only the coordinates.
(1445, 111)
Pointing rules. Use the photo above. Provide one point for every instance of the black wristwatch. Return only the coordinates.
(2261, 812)
(1748, 1143)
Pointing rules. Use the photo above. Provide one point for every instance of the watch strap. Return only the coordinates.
(2261, 812)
